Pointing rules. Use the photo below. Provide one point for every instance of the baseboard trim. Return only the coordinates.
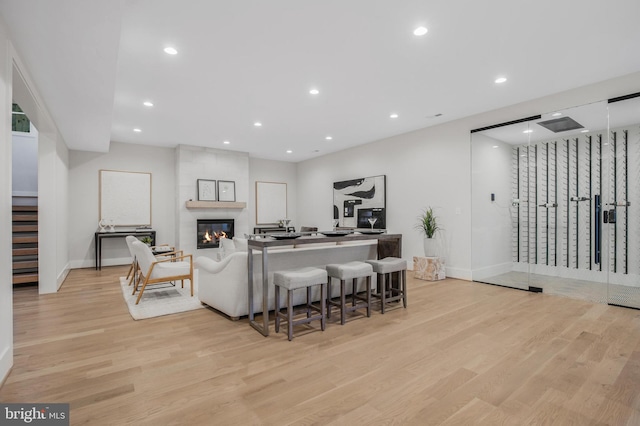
(62, 276)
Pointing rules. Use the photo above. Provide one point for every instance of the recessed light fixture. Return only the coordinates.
(495, 146)
(170, 50)
(226, 142)
(556, 114)
(500, 80)
(257, 124)
(584, 131)
(147, 103)
(314, 91)
(329, 138)
(289, 151)
(394, 115)
(420, 31)
(137, 130)
(528, 131)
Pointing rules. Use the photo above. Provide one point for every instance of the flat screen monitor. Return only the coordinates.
(365, 214)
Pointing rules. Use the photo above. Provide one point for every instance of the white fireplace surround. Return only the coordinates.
(193, 163)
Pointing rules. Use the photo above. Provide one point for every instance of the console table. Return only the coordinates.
(388, 245)
(99, 236)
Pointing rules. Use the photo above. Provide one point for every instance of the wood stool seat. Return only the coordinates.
(349, 271)
(297, 279)
(387, 292)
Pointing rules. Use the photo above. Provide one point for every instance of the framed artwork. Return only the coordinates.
(226, 190)
(125, 197)
(271, 202)
(206, 190)
(361, 202)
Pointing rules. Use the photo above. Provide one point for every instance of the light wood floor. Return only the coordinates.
(462, 353)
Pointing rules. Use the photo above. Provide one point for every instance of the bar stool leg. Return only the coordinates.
(308, 302)
(383, 293)
(323, 301)
(277, 308)
(343, 302)
(329, 297)
(368, 284)
(354, 284)
(290, 314)
(404, 288)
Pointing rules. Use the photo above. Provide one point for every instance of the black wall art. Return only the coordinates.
(357, 200)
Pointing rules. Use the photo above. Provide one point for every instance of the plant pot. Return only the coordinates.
(430, 247)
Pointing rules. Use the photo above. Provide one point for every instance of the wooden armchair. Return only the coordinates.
(178, 266)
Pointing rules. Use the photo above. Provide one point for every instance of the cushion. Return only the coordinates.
(240, 244)
(299, 278)
(227, 246)
(349, 270)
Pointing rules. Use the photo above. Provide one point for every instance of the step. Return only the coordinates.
(25, 228)
(25, 251)
(24, 218)
(27, 264)
(25, 278)
(24, 208)
(25, 239)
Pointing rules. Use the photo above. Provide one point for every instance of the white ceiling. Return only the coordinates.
(96, 61)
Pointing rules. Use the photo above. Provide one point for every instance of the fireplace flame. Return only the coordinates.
(208, 237)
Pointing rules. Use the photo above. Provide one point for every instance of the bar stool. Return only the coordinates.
(385, 268)
(296, 279)
(349, 271)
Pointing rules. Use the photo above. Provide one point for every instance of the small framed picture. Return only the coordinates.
(226, 190)
(206, 190)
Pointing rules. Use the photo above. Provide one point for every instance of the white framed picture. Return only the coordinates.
(206, 190)
(226, 190)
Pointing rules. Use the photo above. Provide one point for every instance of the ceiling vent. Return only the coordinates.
(562, 124)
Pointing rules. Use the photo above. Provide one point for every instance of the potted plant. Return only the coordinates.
(146, 240)
(428, 224)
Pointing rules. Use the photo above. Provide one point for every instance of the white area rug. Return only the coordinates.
(160, 299)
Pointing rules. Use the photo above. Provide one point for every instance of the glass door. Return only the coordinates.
(504, 191)
(621, 203)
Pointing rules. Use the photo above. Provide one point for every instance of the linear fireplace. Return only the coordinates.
(210, 231)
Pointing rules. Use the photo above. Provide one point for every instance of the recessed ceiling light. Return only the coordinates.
(137, 130)
(528, 131)
(556, 114)
(420, 31)
(329, 138)
(226, 142)
(257, 124)
(170, 50)
(289, 151)
(147, 103)
(500, 80)
(394, 115)
(314, 91)
(495, 146)
(584, 131)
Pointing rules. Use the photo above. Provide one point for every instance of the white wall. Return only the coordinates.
(430, 167)
(53, 253)
(25, 163)
(6, 285)
(424, 168)
(274, 171)
(84, 195)
(491, 220)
